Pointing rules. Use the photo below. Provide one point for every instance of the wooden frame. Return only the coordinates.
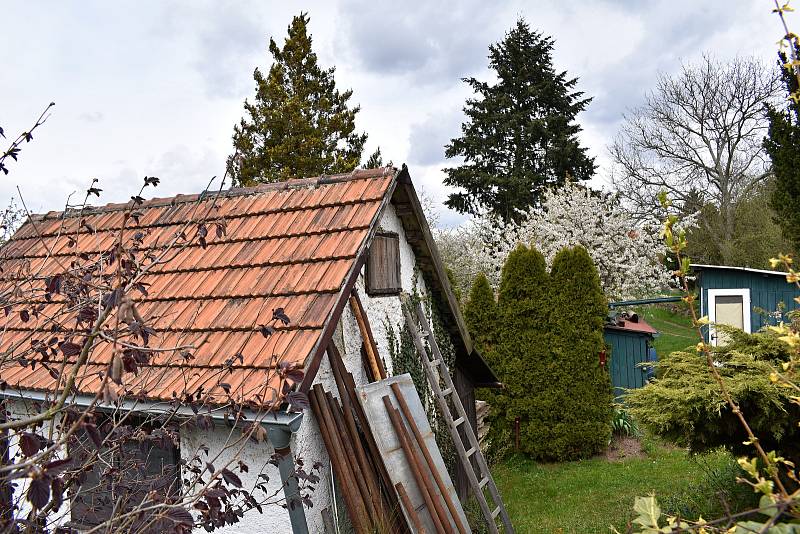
(375, 287)
(712, 311)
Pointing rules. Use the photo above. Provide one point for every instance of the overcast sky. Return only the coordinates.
(154, 88)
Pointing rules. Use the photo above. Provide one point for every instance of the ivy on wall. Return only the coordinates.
(406, 360)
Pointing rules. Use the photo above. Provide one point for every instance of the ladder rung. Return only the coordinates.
(447, 392)
(458, 421)
(496, 512)
(472, 451)
(483, 482)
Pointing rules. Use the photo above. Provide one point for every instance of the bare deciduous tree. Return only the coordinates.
(698, 136)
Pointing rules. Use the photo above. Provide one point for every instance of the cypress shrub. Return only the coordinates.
(583, 390)
(523, 351)
(480, 314)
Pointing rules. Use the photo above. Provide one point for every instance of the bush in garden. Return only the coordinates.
(480, 314)
(685, 405)
(522, 354)
(542, 339)
(582, 386)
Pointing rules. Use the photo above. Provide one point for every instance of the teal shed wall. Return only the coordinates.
(766, 291)
(628, 350)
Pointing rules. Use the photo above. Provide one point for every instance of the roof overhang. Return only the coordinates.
(700, 267)
(272, 419)
(418, 234)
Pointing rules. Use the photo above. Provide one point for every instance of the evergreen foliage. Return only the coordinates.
(523, 360)
(299, 124)
(520, 136)
(480, 314)
(685, 405)
(579, 310)
(783, 146)
(543, 342)
(374, 161)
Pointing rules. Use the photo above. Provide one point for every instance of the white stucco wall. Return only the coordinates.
(256, 456)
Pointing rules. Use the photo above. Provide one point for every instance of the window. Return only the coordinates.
(383, 265)
(730, 307)
(125, 471)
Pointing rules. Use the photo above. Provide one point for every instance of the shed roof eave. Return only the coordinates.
(276, 419)
(700, 267)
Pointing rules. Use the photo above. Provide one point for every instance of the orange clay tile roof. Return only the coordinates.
(291, 245)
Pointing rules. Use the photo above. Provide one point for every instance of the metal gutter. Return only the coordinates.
(289, 421)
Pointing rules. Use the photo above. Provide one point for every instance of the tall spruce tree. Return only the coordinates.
(299, 124)
(783, 146)
(582, 425)
(520, 136)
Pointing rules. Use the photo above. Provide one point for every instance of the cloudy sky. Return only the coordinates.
(154, 88)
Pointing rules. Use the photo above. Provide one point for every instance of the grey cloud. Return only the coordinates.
(428, 138)
(431, 42)
(226, 48)
(226, 40)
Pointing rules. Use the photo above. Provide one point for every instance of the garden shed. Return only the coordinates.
(630, 340)
(743, 297)
(330, 254)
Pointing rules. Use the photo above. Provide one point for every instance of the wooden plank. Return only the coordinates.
(370, 338)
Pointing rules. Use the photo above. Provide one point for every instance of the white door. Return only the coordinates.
(728, 306)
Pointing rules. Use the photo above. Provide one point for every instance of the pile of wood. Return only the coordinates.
(371, 501)
(481, 412)
(364, 483)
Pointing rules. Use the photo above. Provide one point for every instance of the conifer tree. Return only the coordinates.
(520, 137)
(374, 161)
(299, 123)
(480, 314)
(522, 360)
(582, 386)
(783, 146)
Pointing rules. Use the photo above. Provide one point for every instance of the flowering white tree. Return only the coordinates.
(628, 254)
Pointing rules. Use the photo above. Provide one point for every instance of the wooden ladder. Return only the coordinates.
(436, 370)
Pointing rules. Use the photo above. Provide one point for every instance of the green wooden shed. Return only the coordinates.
(742, 297)
(630, 340)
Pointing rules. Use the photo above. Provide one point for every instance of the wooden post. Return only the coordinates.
(412, 513)
(355, 508)
(378, 370)
(423, 482)
(437, 477)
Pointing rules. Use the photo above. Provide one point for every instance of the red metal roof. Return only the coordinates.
(290, 245)
(633, 326)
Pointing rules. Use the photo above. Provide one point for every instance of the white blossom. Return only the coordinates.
(628, 253)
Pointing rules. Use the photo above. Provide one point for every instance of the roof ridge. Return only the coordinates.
(158, 202)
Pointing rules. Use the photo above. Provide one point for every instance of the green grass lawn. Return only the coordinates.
(592, 495)
(675, 328)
